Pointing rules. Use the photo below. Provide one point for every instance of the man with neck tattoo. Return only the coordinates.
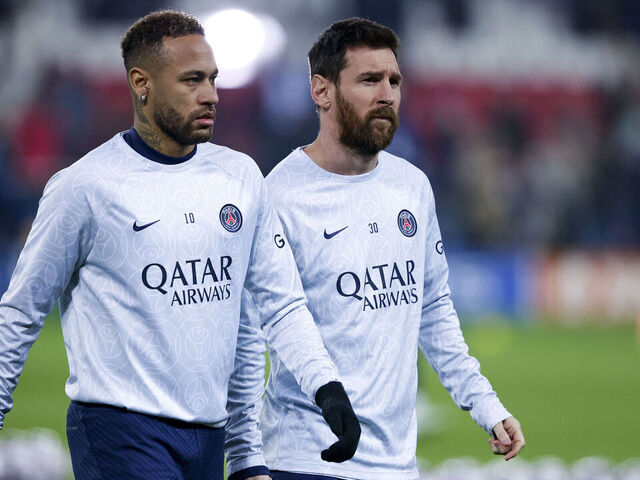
(148, 242)
(363, 229)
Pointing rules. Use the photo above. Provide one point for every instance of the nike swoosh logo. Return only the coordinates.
(331, 235)
(137, 228)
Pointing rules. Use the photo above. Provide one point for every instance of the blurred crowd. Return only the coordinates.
(521, 163)
(512, 167)
(532, 167)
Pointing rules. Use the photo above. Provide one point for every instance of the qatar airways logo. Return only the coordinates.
(192, 281)
(382, 286)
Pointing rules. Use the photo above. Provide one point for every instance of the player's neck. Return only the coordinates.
(331, 155)
(159, 141)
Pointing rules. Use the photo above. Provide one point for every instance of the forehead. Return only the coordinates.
(190, 52)
(367, 59)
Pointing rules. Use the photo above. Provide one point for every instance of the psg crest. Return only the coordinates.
(230, 218)
(407, 223)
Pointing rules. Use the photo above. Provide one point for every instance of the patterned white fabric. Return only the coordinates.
(373, 267)
(149, 261)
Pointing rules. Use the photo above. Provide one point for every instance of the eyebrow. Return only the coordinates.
(393, 76)
(198, 73)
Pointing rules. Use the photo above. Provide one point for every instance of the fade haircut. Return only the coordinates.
(142, 44)
(328, 58)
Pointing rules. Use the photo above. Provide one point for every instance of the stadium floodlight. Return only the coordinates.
(242, 42)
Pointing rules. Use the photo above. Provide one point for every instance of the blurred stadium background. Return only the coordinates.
(524, 114)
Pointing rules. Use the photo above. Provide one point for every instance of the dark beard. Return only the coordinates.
(359, 135)
(179, 129)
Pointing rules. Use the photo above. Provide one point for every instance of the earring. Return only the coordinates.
(143, 97)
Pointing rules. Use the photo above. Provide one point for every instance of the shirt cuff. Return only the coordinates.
(243, 463)
(321, 381)
(249, 472)
(489, 412)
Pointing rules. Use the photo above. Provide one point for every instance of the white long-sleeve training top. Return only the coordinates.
(148, 261)
(373, 267)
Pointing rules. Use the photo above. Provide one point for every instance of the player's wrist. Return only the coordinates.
(250, 472)
(331, 390)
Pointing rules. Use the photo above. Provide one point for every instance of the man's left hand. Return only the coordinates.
(338, 413)
(508, 438)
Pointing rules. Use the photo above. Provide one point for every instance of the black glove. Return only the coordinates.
(337, 411)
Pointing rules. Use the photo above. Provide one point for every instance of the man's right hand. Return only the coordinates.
(337, 411)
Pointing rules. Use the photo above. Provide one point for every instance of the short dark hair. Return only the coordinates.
(327, 57)
(142, 43)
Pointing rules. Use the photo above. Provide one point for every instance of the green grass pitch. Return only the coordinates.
(575, 391)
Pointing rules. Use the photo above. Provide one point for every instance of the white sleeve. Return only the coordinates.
(276, 289)
(59, 241)
(441, 339)
(243, 440)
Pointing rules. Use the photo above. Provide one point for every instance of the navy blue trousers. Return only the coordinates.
(110, 443)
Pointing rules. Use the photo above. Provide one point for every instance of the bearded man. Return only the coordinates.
(363, 229)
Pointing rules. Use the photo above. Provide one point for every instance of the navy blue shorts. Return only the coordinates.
(109, 443)
(279, 475)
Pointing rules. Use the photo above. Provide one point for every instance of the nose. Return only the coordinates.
(386, 93)
(209, 94)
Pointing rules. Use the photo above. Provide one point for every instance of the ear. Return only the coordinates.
(139, 79)
(320, 92)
